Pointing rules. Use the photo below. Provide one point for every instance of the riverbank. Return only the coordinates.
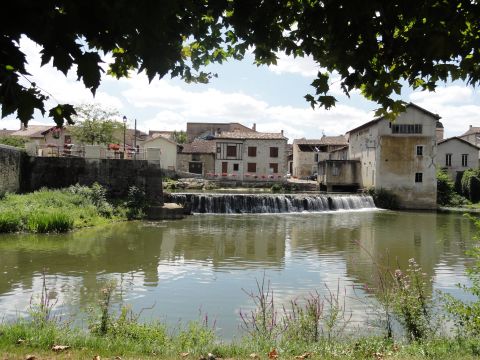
(23, 341)
(59, 210)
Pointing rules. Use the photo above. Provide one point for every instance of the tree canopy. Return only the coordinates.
(95, 125)
(373, 45)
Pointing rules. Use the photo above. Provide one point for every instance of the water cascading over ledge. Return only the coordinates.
(270, 203)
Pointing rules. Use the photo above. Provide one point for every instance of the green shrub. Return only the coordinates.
(52, 221)
(383, 198)
(15, 141)
(471, 185)
(276, 188)
(136, 203)
(10, 221)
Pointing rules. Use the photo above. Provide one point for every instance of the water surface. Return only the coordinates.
(181, 270)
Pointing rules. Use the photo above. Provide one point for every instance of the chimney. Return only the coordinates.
(254, 127)
(470, 126)
(281, 131)
(439, 131)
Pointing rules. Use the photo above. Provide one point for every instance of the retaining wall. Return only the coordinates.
(10, 168)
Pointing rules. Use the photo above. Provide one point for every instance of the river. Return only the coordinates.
(183, 270)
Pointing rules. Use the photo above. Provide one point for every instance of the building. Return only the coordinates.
(208, 131)
(398, 156)
(157, 147)
(197, 157)
(472, 135)
(251, 156)
(308, 152)
(456, 155)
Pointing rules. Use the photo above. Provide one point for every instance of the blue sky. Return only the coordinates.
(271, 97)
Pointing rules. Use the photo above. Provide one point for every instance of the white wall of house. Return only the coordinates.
(168, 151)
(456, 155)
(363, 147)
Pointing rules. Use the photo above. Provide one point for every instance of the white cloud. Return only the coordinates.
(305, 66)
(175, 106)
(457, 105)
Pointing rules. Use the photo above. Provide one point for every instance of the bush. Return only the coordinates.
(276, 188)
(471, 185)
(136, 203)
(10, 221)
(383, 198)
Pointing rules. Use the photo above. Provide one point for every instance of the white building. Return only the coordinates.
(251, 156)
(456, 155)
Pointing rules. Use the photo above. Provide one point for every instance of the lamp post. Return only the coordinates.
(124, 133)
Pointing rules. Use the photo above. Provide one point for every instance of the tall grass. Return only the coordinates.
(60, 210)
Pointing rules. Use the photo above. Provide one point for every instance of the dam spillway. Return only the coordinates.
(205, 203)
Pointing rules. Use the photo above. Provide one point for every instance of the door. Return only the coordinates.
(195, 167)
(224, 167)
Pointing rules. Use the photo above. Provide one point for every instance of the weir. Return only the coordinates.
(270, 203)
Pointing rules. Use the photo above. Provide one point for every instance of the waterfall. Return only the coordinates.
(271, 203)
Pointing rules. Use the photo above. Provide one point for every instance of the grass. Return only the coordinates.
(60, 210)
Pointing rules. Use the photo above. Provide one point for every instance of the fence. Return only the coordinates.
(97, 152)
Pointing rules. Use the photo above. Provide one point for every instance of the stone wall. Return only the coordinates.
(10, 168)
(115, 174)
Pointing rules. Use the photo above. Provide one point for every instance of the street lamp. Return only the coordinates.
(124, 133)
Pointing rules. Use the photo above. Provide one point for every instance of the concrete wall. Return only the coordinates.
(115, 174)
(456, 148)
(363, 147)
(339, 173)
(168, 151)
(304, 163)
(10, 168)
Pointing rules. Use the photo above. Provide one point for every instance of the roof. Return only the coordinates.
(199, 147)
(32, 131)
(459, 139)
(156, 136)
(472, 130)
(214, 125)
(340, 149)
(241, 135)
(374, 121)
(325, 140)
(6, 132)
(163, 133)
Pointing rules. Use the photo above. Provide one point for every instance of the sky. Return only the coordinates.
(270, 97)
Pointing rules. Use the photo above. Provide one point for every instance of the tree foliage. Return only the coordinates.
(95, 125)
(180, 137)
(374, 46)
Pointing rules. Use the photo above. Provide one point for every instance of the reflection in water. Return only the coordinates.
(204, 261)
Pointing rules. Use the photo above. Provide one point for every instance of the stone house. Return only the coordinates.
(308, 152)
(207, 131)
(456, 155)
(197, 157)
(472, 135)
(399, 156)
(251, 156)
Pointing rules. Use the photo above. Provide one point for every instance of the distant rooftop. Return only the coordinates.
(325, 140)
(251, 135)
(199, 147)
(472, 131)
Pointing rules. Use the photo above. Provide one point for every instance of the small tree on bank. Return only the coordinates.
(95, 124)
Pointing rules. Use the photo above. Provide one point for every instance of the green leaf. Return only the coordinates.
(89, 70)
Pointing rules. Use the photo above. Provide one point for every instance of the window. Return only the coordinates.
(418, 177)
(235, 167)
(274, 167)
(465, 160)
(448, 159)
(231, 150)
(219, 149)
(195, 157)
(419, 150)
(252, 167)
(316, 158)
(335, 170)
(274, 152)
(68, 139)
(406, 129)
(252, 151)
